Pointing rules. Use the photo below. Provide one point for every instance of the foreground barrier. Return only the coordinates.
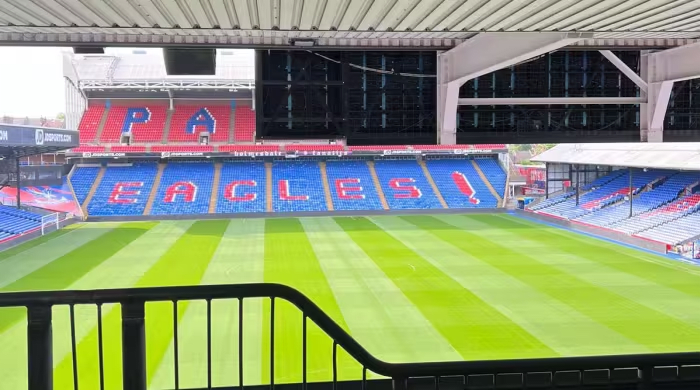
(628, 371)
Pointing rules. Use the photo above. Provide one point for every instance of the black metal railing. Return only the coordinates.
(631, 371)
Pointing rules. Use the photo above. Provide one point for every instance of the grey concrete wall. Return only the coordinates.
(353, 213)
(597, 231)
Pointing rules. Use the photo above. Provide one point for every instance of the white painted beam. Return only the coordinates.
(548, 100)
(483, 54)
(677, 64)
(626, 70)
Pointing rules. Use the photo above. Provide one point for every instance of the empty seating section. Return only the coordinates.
(249, 148)
(244, 124)
(297, 186)
(676, 231)
(314, 148)
(128, 148)
(609, 193)
(124, 190)
(185, 188)
(189, 121)
(89, 149)
(242, 188)
(182, 148)
(82, 180)
(351, 185)
(460, 184)
(494, 173)
(661, 215)
(14, 221)
(377, 147)
(90, 123)
(405, 186)
(646, 201)
(146, 123)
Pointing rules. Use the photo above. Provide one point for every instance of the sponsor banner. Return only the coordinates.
(55, 198)
(103, 154)
(253, 154)
(32, 136)
(183, 154)
(320, 153)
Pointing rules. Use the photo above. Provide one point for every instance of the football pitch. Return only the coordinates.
(409, 289)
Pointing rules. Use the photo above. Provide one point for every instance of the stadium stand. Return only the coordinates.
(249, 148)
(123, 190)
(460, 184)
(351, 185)
(82, 180)
(89, 149)
(146, 123)
(297, 187)
(244, 124)
(90, 123)
(241, 187)
(494, 173)
(675, 231)
(185, 188)
(14, 221)
(405, 186)
(189, 121)
(664, 214)
(182, 148)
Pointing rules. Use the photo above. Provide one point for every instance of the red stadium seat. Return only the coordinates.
(249, 148)
(244, 129)
(88, 149)
(90, 123)
(377, 147)
(221, 115)
(129, 148)
(314, 148)
(150, 131)
(182, 148)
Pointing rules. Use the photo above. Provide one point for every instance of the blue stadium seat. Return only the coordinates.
(82, 180)
(405, 186)
(124, 190)
(246, 196)
(300, 182)
(460, 184)
(14, 221)
(344, 175)
(494, 173)
(185, 188)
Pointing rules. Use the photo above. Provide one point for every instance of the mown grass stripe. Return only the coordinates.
(546, 318)
(290, 259)
(183, 263)
(636, 321)
(474, 328)
(398, 331)
(15, 250)
(657, 269)
(64, 271)
(24, 263)
(591, 267)
(120, 271)
(239, 258)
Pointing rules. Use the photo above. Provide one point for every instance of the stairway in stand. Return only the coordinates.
(268, 187)
(154, 190)
(326, 187)
(487, 182)
(93, 189)
(377, 185)
(215, 188)
(434, 186)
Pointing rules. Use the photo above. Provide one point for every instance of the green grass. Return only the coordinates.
(414, 288)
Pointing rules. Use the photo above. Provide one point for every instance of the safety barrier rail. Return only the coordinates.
(632, 371)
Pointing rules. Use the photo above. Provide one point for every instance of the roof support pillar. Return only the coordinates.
(661, 70)
(483, 54)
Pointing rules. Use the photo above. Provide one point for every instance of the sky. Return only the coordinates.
(31, 80)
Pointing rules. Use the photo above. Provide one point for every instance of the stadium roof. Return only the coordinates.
(336, 23)
(667, 155)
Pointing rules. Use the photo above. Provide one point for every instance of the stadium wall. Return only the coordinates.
(596, 231)
(297, 214)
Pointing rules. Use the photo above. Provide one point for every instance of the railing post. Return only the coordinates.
(133, 345)
(39, 348)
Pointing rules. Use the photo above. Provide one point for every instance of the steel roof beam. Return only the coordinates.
(548, 100)
(484, 54)
(626, 70)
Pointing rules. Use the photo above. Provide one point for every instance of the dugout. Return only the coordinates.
(17, 142)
